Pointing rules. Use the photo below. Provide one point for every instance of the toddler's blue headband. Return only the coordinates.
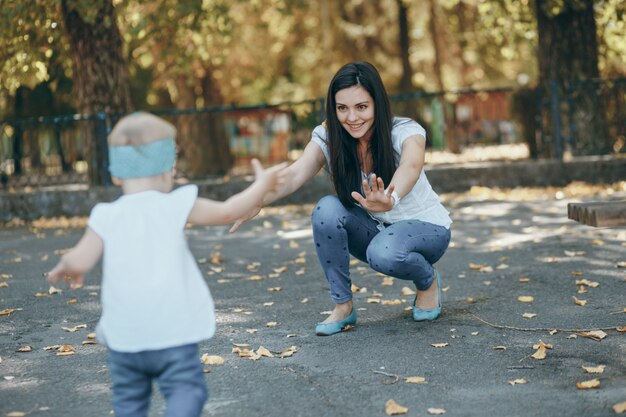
(146, 160)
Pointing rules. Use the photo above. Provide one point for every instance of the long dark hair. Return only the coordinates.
(344, 164)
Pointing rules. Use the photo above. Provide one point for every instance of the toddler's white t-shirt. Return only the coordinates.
(153, 293)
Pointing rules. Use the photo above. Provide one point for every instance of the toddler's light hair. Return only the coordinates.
(140, 128)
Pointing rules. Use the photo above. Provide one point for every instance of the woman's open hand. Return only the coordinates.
(376, 199)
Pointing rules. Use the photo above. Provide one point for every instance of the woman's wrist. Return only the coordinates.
(395, 198)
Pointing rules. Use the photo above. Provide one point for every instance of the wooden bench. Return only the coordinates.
(605, 214)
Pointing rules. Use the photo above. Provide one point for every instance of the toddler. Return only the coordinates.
(156, 306)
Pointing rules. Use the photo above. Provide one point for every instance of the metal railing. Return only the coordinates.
(72, 149)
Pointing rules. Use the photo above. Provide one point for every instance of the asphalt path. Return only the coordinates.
(270, 292)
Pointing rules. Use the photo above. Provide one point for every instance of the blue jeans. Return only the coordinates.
(406, 249)
(178, 372)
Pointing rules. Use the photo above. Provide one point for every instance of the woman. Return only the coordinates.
(401, 230)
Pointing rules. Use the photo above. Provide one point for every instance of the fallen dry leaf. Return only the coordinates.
(272, 324)
(524, 279)
(502, 266)
(373, 300)
(304, 300)
(540, 353)
(392, 408)
(7, 312)
(407, 291)
(216, 258)
(577, 273)
(518, 381)
(72, 301)
(595, 334)
(264, 352)
(207, 359)
(499, 347)
(579, 302)
(387, 281)
(439, 345)
(415, 380)
(4, 285)
(594, 369)
(254, 278)
(25, 348)
(585, 281)
(619, 408)
(529, 315)
(476, 267)
(525, 299)
(391, 302)
(592, 383)
(274, 289)
(287, 353)
(16, 414)
(436, 411)
(75, 328)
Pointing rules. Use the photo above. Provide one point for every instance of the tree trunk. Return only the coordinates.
(440, 124)
(568, 53)
(406, 84)
(100, 74)
(202, 138)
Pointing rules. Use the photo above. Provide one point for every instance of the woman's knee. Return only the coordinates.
(327, 211)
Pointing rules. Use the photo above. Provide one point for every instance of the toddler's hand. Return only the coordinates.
(76, 280)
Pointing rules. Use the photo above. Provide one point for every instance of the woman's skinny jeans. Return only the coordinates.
(405, 250)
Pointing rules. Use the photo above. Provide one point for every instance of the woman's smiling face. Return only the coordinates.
(355, 111)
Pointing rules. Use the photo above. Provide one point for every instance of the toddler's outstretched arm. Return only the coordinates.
(79, 260)
(209, 212)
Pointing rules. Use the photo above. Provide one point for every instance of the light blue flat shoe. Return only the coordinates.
(429, 313)
(326, 329)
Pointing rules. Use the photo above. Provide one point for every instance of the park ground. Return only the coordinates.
(532, 325)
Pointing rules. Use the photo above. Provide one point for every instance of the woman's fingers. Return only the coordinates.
(359, 198)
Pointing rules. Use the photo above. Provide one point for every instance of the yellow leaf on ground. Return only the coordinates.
(595, 334)
(577, 273)
(372, 300)
(272, 324)
(264, 352)
(525, 299)
(207, 359)
(7, 312)
(254, 278)
(75, 328)
(621, 329)
(594, 369)
(415, 380)
(585, 281)
(286, 353)
(216, 258)
(280, 270)
(391, 302)
(268, 304)
(274, 289)
(304, 300)
(619, 408)
(476, 267)
(499, 347)
(502, 266)
(541, 350)
(293, 244)
(518, 381)
(387, 281)
(392, 408)
(301, 271)
(524, 279)
(407, 291)
(436, 411)
(252, 331)
(53, 290)
(16, 414)
(72, 301)
(592, 383)
(579, 302)
(486, 269)
(529, 315)
(439, 345)
(4, 285)
(25, 348)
